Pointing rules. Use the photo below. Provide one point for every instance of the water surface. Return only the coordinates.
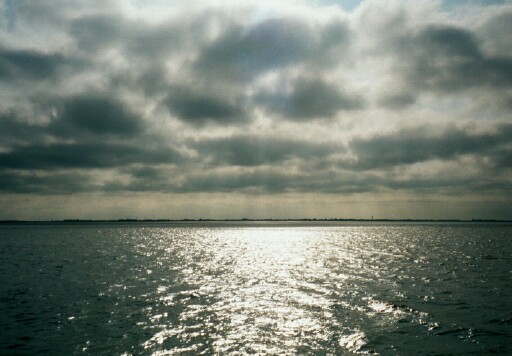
(275, 288)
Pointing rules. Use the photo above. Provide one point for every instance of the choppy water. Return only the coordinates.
(259, 288)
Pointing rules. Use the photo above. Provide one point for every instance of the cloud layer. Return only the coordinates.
(256, 98)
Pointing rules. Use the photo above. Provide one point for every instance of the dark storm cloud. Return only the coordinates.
(445, 59)
(99, 115)
(502, 157)
(55, 183)
(259, 181)
(199, 108)
(14, 130)
(247, 150)
(28, 64)
(310, 98)
(450, 58)
(242, 54)
(412, 146)
(144, 46)
(84, 155)
(448, 41)
(85, 119)
(264, 181)
(275, 180)
(246, 84)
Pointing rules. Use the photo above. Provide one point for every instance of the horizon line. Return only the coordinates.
(129, 220)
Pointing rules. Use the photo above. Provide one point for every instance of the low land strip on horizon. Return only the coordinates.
(70, 221)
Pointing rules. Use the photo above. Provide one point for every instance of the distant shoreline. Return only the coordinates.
(81, 221)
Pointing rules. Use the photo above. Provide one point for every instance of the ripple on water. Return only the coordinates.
(388, 289)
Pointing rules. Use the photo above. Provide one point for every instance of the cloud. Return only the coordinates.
(449, 58)
(99, 115)
(444, 59)
(311, 98)
(263, 181)
(15, 131)
(256, 98)
(98, 32)
(28, 64)
(198, 109)
(491, 31)
(55, 183)
(423, 144)
(241, 54)
(84, 155)
(245, 150)
(397, 100)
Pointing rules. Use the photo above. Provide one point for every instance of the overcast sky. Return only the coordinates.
(231, 109)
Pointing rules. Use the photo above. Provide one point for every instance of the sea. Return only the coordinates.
(265, 288)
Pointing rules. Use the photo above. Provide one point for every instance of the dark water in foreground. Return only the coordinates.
(389, 289)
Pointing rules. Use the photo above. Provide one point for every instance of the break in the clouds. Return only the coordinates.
(344, 108)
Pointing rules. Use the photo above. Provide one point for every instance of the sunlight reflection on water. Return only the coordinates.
(267, 290)
(209, 289)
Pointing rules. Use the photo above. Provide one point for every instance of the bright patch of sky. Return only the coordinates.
(350, 5)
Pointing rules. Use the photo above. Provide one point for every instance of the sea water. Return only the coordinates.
(256, 288)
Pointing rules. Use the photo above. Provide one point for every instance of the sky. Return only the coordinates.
(255, 109)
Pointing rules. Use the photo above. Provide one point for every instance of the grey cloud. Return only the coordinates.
(502, 157)
(335, 35)
(145, 37)
(259, 181)
(15, 131)
(412, 146)
(8, 15)
(178, 68)
(266, 181)
(446, 185)
(275, 180)
(146, 46)
(136, 37)
(145, 172)
(146, 178)
(310, 98)
(55, 183)
(246, 150)
(397, 100)
(443, 59)
(83, 118)
(243, 54)
(199, 108)
(450, 59)
(253, 181)
(94, 33)
(28, 64)
(502, 187)
(240, 54)
(41, 16)
(84, 155)
(99, 115)
(449, 41)
(491, 33)
(455, 61)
